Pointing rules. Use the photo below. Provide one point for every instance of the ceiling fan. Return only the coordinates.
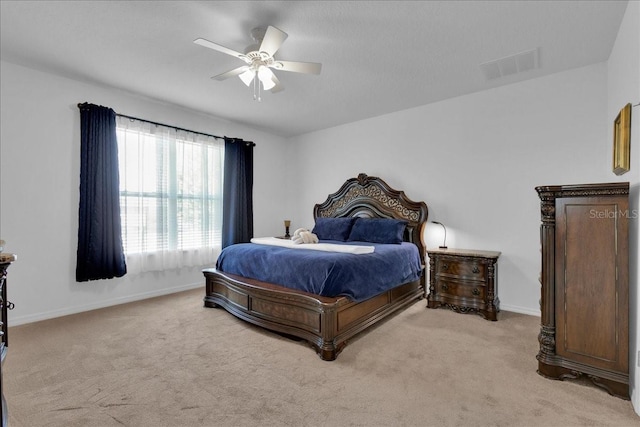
(259, 61)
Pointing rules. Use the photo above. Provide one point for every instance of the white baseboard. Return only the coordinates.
(521, 310)
(21, 320)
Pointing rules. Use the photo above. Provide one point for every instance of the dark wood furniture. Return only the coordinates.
(584, 328)
(5, 262)
(465, 281)
(327, 323)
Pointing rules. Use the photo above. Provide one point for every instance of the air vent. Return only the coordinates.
(518, 63)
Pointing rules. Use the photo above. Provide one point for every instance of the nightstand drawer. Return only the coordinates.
(466, 269)
(461, 289)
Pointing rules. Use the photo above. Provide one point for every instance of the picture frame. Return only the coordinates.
(622, 141)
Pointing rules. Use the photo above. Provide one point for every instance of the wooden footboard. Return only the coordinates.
(326, 323)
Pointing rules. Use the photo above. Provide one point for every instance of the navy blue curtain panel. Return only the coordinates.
(100, 252)
(237, 199)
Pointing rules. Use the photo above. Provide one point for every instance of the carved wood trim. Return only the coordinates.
(371, 196)
(551, 192)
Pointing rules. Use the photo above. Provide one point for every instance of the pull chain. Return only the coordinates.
(257, 89)
(255, 95)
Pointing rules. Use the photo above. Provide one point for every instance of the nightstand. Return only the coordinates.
(465, 281)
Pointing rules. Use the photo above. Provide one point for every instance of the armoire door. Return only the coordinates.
(591, 281)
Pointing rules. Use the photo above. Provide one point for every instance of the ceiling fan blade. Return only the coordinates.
(219, 48)
(273, 39)
(278, 87)
(298, 67)
(231, 73)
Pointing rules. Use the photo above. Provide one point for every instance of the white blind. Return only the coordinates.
(170, 196)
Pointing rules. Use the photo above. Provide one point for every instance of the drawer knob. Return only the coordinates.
(475, 291)
(476, 270)
(444, 287)
(445, 266)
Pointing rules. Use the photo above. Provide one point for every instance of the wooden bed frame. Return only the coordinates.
(327, 323)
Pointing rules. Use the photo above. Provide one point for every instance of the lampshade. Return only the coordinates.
(267, 84)
(247, 76)
(266, 77)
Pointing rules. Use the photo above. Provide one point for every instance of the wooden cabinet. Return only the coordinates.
(585, 284)
(464, 281)
(5, 262)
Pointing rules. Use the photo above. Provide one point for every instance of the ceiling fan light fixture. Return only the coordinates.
(259, 61)
(266, 77)
(247, 76)
(268, 84)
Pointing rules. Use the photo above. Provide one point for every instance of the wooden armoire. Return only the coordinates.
(584, 302)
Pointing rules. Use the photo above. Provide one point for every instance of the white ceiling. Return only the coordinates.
(377, 56)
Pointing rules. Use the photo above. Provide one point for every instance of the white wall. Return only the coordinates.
(475, 160)
(623, 86)
(39, 181)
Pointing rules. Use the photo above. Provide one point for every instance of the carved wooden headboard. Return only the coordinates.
(370, 196)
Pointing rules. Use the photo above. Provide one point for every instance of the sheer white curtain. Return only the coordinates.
(170, 196)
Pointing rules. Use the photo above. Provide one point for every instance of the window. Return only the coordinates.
(170, 196)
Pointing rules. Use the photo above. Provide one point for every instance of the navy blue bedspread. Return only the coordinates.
(328, 274)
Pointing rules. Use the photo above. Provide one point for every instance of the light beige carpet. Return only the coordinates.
(169, 361)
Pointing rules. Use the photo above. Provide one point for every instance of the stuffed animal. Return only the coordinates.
(302, 235)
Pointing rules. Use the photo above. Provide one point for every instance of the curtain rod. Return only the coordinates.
(177, 128)
(170, 126)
